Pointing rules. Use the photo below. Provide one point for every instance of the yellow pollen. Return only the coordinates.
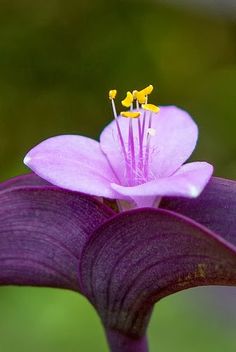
(141, 95)
(151, 107)
(148, 90)
(134, 94)
(127, 102)
(141, 98)
(130, 114)
(112, 94)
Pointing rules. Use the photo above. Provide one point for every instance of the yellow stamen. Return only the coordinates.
(112, 94)
(127, 102)
(141, 95)
(141, 98)
(148, 90)
(130, 114)
(134, 94)
(151, 107)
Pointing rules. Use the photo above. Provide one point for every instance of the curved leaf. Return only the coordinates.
(122, 343)
(215, 208)
(30, 179)
(42, 233)
(140, 256)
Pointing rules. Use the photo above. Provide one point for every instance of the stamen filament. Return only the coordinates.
(131, 147)
(148, 145)
(150, 120)
(136, 158)
(143, 126)
(114, 108)
(112, 95)
(140, 145)
(122, 142)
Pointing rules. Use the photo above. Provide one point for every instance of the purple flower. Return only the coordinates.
(122, 262)
(139, 158)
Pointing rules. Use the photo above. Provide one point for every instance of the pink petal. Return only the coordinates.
(175, 140)
(73, 162)
(188, 181)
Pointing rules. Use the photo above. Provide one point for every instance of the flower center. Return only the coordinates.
(135, 134)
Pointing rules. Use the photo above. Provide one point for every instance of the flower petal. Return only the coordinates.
(215, 207)
(175, 139)
(73, 162)
(141, 256)
(188, 181)
(42, 234)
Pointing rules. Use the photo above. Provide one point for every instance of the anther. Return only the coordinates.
(127, 102)
(148, 90)
(151, 107)
(134, 93)
(112, 94)
(130, 114)
(141, 97)
(142, 94)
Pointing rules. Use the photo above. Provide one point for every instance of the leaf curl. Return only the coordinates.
(42, 233)
(141, 256)
(215, 208)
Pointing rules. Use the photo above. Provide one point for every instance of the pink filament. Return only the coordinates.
(121, 140)
(146, 164)
(131, 148)
(136, 172)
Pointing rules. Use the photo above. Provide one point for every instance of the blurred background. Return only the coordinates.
(58, 59)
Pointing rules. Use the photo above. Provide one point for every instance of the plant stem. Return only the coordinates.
(119, 342)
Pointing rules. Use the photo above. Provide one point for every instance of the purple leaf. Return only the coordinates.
(23, 180)
(123, 343)
(138, 257)
(42, 233)
(215, 208)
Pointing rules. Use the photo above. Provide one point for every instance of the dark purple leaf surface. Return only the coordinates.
(215, 207)
(42, 233)
(30, 179)
(138, 257)
(122, 343)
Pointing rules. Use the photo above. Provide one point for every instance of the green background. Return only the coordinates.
(58, 59)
